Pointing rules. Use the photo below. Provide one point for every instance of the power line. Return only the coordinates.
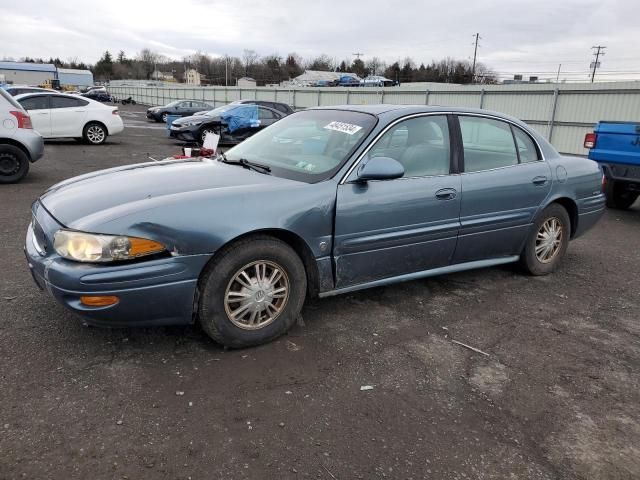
(599, 51)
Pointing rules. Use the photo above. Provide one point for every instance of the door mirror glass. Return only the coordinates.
(380, 168)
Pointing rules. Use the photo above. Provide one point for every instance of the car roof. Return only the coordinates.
(401, 110)
(44, 92)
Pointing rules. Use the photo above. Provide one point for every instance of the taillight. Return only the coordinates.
(590, 140)
(115, 112)
(24, 120)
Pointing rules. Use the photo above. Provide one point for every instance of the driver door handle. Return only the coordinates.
(446, 194)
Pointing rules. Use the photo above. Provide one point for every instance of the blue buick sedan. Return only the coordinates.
(325, 201)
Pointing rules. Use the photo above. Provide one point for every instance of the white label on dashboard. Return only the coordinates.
(347, 128)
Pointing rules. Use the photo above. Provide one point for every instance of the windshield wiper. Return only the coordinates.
(243, 162)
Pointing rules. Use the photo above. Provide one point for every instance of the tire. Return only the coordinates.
(223, 295)
(537, 264)
(14, 164)
(95, 133)
(618, 196)
(164, 117)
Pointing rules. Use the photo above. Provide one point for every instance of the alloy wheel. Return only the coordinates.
(95, 134)
(549, 240)
(256, 295)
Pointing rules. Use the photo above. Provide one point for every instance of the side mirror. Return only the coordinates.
(380, 168)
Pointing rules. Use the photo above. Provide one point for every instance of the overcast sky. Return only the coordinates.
(517, 36)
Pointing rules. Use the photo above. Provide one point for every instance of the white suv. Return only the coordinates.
(19, 143)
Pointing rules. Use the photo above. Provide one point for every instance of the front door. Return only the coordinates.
(504, 183)
(394, 227)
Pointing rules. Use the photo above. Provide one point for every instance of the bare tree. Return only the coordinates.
(249, 57)
(375, 66)
(148, 60)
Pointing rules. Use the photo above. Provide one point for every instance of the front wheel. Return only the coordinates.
(164, 117)
(547, 242)
(618, 196)
(252, 293)
(205, 131)
(14, 164)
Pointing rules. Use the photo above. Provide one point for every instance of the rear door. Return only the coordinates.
(395, 227)
(39, 110)
(68, 116)
(504, 182)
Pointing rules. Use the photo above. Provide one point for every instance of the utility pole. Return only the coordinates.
(357, 55)
(475, 55)
(599, 51)
(226, 70)
(558, 75)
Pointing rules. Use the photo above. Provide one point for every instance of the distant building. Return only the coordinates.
(162, 76)
(77, 78)
(25, 73)
(192, 77)
(246, 82)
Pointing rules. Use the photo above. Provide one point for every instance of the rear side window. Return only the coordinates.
(526, 148)
(40, 102)
(264, 114)
(66, 102)
(487, 144)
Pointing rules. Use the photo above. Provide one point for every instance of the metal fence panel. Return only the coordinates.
(577, 106)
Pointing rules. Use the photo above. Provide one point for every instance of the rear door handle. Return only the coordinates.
(446, 194)
(542, 180)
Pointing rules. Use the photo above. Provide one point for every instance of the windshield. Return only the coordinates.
(173, 104)
(309, 146)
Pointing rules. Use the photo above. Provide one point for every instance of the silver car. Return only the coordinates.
(20, 144)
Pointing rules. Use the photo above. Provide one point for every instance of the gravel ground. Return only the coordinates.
(558, 396)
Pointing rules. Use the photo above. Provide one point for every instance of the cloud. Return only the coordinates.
(516, 35)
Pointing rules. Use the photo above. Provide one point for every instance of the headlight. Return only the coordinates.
(89, 247)
(189, 124)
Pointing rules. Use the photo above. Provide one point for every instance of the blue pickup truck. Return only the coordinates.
(616, 147)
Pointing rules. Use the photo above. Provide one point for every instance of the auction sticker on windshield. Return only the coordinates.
(343, 127)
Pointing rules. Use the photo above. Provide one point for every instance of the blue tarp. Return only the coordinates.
(242, 116)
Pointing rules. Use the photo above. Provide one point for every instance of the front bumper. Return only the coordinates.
(185, 134)
(154, 292)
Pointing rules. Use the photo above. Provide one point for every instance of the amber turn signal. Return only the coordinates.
(142, 246)
(99, 301)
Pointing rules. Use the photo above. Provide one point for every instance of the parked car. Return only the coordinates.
(227, 122)
(616, 147)
(56, 115)
(183, 108)
(20, 89)
(323, 202)
(20, 145)
(94, 88)
(280, 106)
(99, 96)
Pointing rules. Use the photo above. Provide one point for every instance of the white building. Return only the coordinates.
(246, 82)
(192, 77)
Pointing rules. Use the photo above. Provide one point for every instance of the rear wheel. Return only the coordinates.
(547, 242)
(252, 293)
(14, 164)
(94, 133)
(618, 196)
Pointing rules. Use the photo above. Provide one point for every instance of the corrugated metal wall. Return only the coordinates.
(563, 113)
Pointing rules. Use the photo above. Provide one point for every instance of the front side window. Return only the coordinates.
(487, 144)
(264, 114)
(420, 144)
(40, 102)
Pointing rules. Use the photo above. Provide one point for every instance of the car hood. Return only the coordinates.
(99, 197)
(194, 118)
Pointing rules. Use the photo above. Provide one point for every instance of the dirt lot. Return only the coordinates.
(558, 397)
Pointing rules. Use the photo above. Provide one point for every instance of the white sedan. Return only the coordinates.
(57, 115)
